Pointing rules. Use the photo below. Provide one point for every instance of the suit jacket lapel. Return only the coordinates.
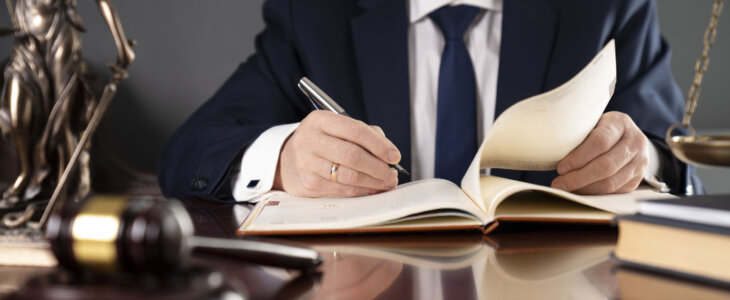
(528, 30)
(380, 37)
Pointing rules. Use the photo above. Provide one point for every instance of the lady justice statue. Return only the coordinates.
(47, 110)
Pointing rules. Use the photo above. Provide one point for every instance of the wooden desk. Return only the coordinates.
(521, 263)
(552, 263)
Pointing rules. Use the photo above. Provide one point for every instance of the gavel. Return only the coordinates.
(122, 234)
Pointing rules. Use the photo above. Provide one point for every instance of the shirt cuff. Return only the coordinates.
(653, 170)
(259, 162)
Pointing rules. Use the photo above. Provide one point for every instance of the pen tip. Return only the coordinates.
(401, 169)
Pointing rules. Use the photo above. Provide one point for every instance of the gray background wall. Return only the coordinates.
(186, 49)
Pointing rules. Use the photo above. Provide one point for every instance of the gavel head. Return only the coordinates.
(121, 234)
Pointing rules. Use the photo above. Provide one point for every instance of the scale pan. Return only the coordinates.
(706, 151)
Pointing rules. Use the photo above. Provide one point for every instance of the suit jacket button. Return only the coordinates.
(199, 184)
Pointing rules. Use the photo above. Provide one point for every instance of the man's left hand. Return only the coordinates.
(612, 159)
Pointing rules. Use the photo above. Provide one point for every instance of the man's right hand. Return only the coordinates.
(324, 138)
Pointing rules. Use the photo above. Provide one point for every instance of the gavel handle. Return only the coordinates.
(270, 254)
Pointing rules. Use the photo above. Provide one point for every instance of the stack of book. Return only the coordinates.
(687, 237)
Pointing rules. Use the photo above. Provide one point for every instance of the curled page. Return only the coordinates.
(537, 132)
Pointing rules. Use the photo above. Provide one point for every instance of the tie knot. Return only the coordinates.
(454, 20)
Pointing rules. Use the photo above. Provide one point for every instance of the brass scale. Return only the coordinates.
(709, 150)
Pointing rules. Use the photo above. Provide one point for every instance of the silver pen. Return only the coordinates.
(320, 100)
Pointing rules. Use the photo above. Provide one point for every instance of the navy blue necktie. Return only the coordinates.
(456, 122)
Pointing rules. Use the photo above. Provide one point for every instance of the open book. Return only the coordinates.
(533, 134)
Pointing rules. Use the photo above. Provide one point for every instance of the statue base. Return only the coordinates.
(21, 236)
(18, 215)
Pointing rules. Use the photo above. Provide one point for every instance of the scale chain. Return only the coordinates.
(703, 62)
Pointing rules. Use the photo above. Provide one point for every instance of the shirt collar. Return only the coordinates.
(421, 8)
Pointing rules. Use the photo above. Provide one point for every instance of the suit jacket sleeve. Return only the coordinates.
(196, 161)
(646, 89)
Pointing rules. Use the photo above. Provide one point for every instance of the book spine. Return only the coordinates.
(667, 272)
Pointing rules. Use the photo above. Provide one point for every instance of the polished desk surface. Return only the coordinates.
(527, 262)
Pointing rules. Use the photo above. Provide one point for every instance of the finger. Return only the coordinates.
(613, 183)
(602, 167)
(607, 132)
(351, 177)
(353, 156)
(314, 185)
(630, 186)
(342, 190)
(348, 176)
(360, 133)
(378, 129)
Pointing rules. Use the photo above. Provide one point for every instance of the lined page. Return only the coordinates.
(290, 213)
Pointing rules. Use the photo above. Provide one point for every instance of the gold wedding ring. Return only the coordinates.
(333, 171)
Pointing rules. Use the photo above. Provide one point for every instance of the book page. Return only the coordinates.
(536, 133)
(510, 198)
(709, 210)
(534, 205)
(288, 213)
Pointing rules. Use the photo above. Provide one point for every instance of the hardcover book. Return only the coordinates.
(687, 237)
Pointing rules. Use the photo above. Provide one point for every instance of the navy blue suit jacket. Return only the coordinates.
(357, 51)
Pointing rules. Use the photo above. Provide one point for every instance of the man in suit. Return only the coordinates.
(426, 78)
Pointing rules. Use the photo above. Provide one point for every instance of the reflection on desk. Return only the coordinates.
(12, 277)
(527, 263)
(637, 284)
(449, 266)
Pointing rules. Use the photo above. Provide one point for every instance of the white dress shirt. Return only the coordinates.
(255, 174)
